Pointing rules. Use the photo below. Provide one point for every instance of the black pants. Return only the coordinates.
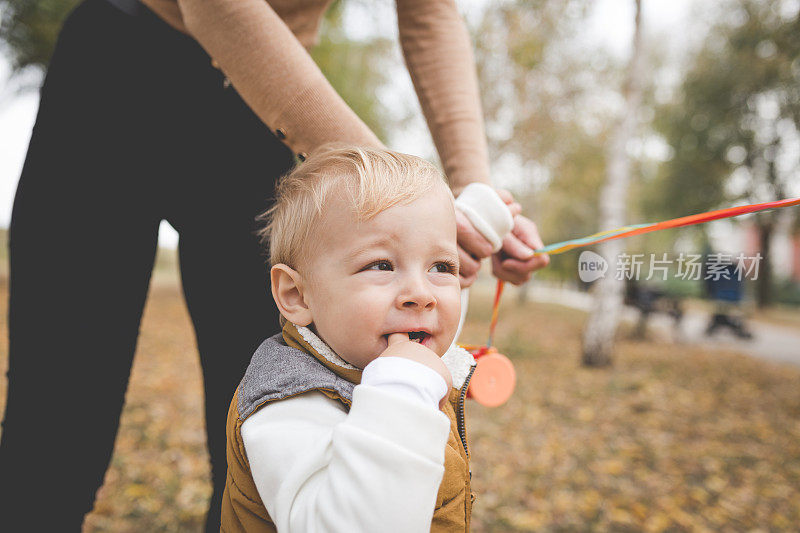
(134, 127)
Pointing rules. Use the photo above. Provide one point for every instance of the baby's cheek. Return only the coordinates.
(366, 336)
(452, 306)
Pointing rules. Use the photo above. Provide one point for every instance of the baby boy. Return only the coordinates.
(352, 418)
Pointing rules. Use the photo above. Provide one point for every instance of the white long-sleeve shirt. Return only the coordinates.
(377, 467)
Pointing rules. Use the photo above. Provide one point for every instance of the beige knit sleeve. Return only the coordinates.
(439, 57)
(273, 73)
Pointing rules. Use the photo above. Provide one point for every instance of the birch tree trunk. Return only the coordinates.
(598, 336)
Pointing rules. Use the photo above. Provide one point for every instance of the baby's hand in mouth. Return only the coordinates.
(400, 345)
(394, 338)
(420, 337)
(413, 336)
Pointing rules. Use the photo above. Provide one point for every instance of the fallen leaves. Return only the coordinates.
(670, 438)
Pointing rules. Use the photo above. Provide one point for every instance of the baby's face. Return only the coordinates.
(397, 272)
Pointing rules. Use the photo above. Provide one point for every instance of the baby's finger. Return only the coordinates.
(394, 338)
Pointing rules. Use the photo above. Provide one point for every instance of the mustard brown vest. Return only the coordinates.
(296, 361)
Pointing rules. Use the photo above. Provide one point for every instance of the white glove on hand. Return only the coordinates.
(487, 212)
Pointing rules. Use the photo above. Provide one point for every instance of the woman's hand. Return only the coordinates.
(514, 262)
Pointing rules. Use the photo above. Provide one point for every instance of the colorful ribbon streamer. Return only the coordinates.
(638, 229)
(629, 231)
(495, 309)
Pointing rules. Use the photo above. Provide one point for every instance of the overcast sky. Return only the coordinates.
(611, 26)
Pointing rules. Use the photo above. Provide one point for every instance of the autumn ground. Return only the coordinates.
(669, 439)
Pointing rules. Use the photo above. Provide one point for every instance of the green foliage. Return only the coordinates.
(734, 127)
(29, 29)
(356, 69)
(568, 207)
(737, 101)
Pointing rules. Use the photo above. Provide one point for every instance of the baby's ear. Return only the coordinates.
(287, 290)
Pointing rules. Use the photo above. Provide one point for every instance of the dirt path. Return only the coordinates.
(778, 343)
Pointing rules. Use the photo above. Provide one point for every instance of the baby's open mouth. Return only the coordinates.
(422, 337)
(416, 336)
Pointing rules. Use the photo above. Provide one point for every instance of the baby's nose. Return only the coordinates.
(419, 295)
(423, 301)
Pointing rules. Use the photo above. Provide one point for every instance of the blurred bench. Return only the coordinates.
(649, 300)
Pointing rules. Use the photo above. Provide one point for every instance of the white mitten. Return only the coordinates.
(488, 213)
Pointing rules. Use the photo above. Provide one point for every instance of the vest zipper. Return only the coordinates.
(460, 415)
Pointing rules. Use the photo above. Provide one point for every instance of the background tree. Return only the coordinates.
(598, 336)
(357, 69)
(29, 29)
(733, 126)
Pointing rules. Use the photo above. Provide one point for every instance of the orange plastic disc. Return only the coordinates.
(493, 381)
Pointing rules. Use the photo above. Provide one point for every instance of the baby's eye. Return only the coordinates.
(444, 267)
(383, 264)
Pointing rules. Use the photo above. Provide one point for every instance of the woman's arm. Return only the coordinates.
(278, 79)
(273, 73)
(439, 57)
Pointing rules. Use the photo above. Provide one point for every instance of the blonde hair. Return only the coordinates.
(370, 179)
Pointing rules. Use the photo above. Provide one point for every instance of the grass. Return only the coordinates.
(668, 439)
